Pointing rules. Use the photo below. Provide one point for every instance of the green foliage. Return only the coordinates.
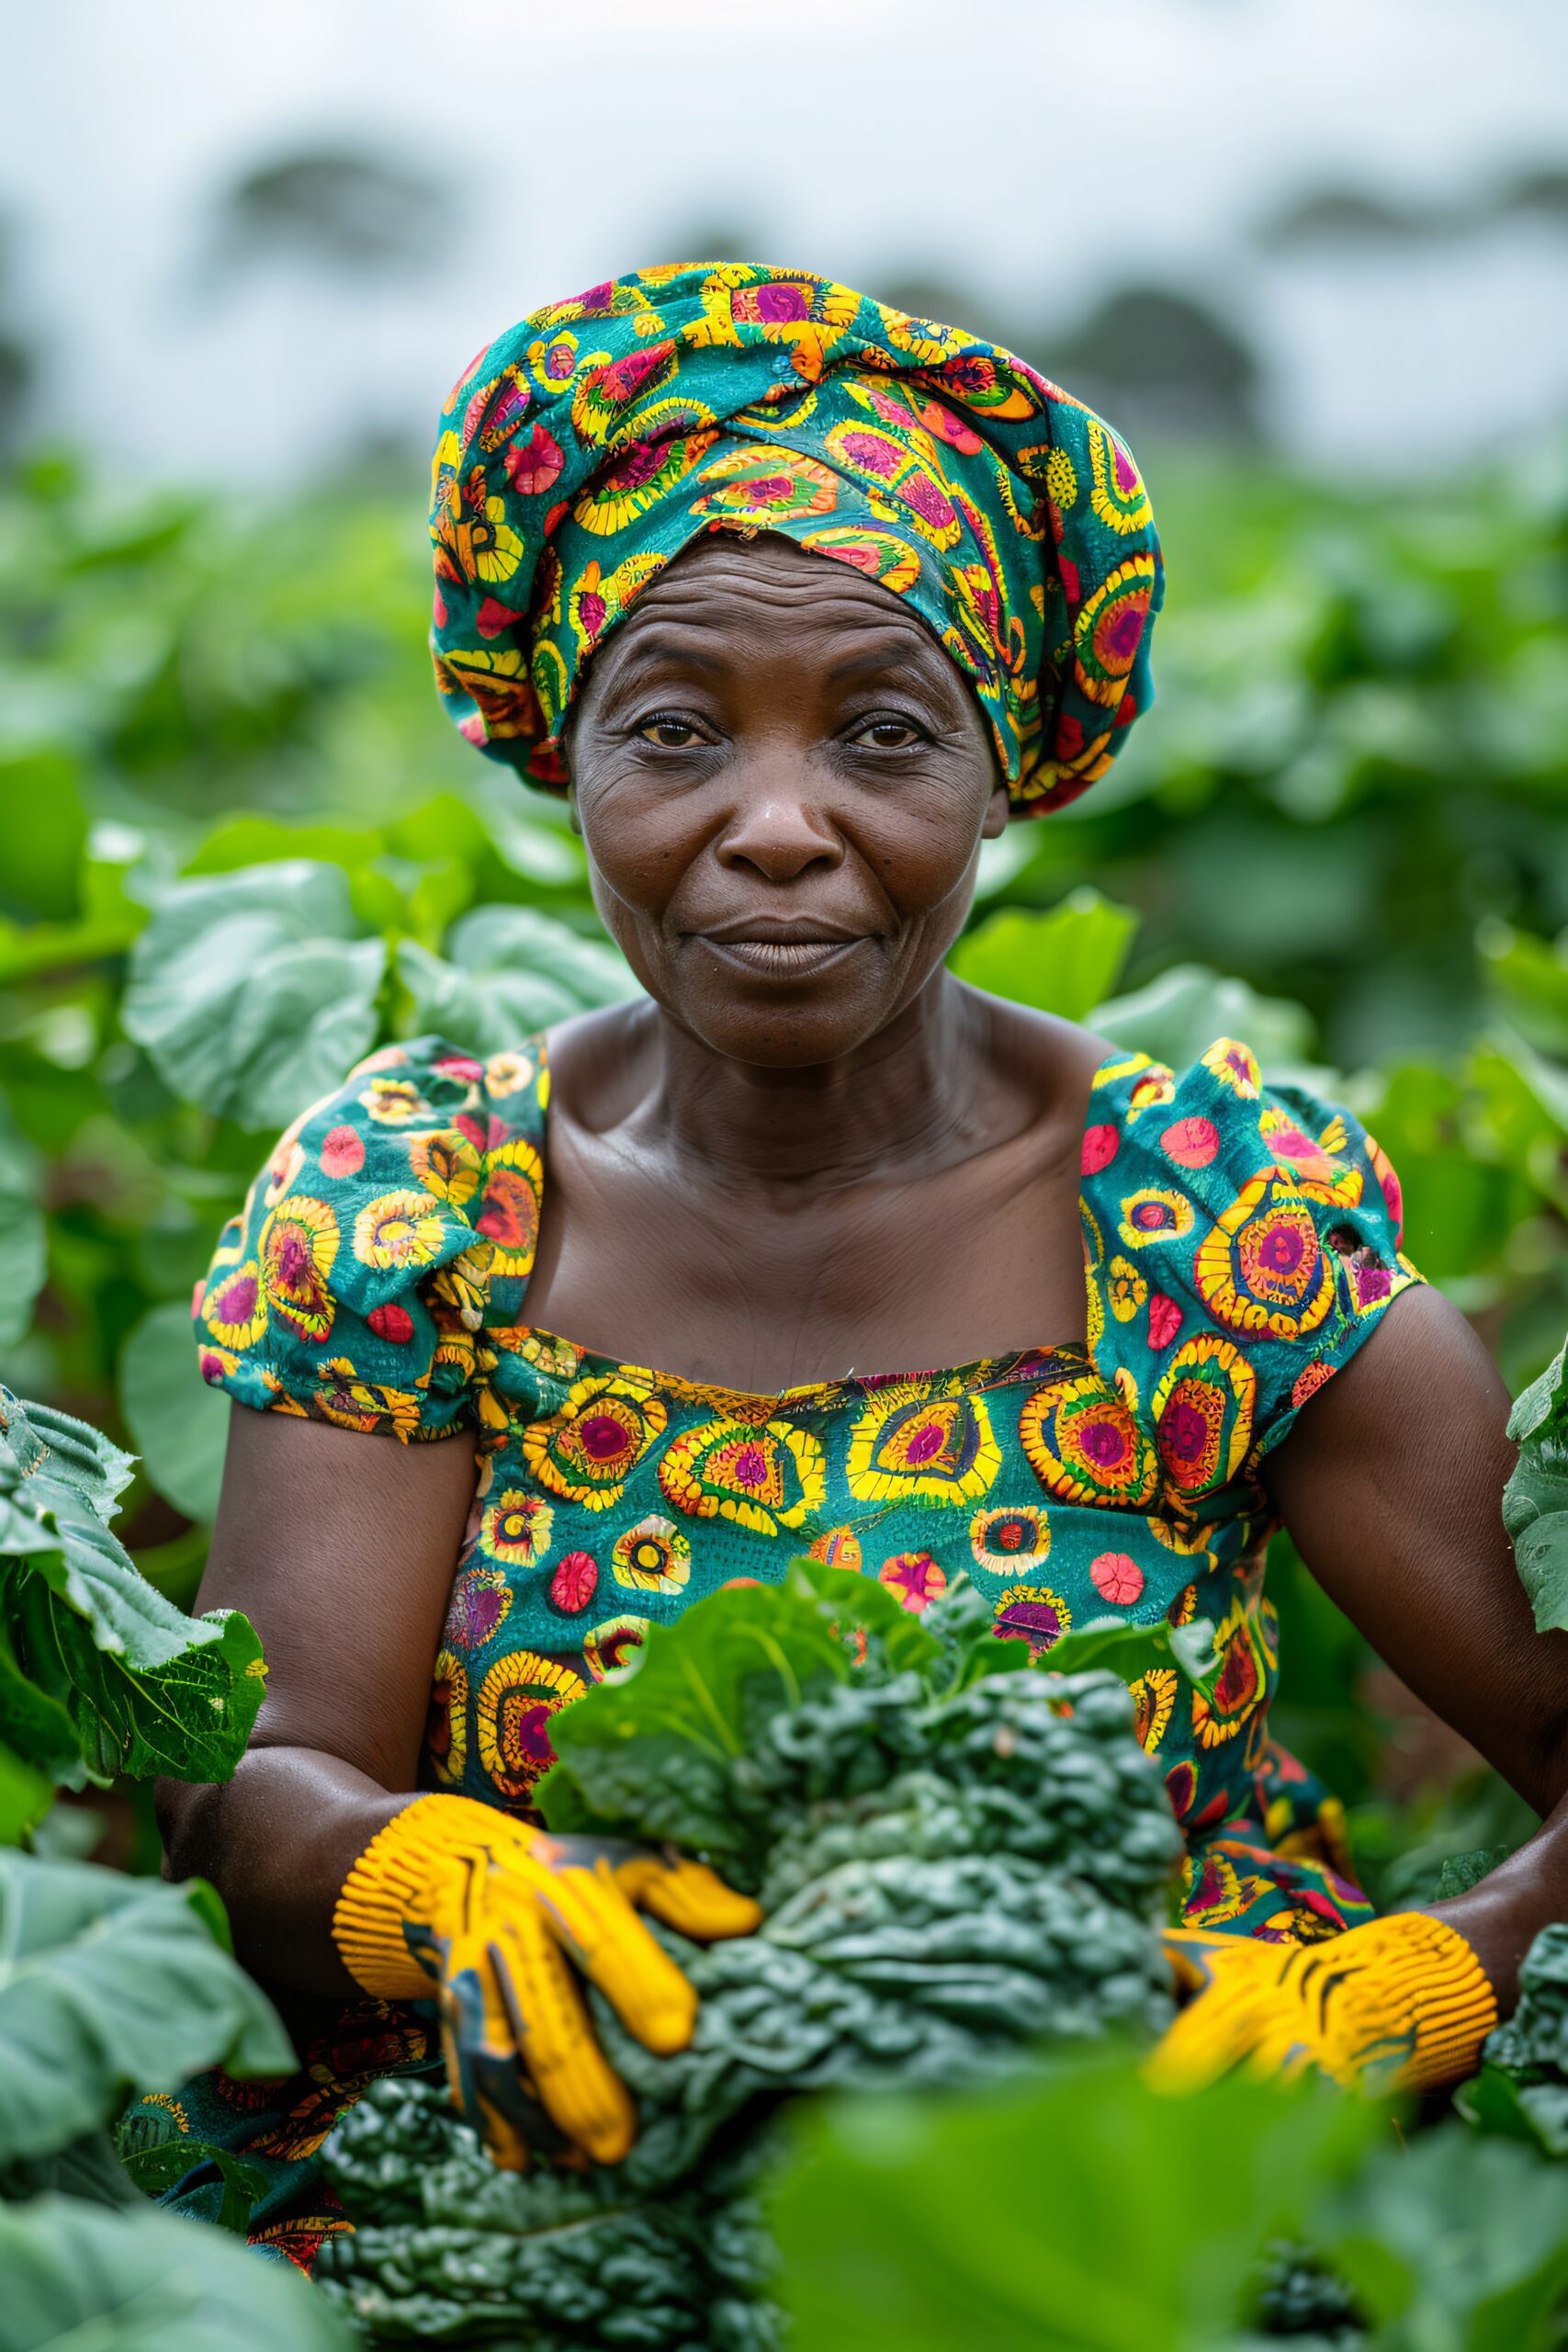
(99, 1674)
(112, 1986)
(1066, 961)
(1535, 1501)
(78, 2276)
(953, 1865)
(1077, 2213)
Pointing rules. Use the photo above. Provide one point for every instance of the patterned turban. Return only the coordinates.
(584, 448)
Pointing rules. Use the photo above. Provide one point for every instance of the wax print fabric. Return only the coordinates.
(1241, 1243)
(584, 448)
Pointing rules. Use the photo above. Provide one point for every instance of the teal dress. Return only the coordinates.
(1240, 1245)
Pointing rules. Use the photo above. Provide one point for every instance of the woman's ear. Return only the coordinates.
(995, 815)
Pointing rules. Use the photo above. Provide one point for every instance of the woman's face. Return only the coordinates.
(783, 784)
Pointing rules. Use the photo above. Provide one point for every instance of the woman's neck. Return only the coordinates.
(909, 1096)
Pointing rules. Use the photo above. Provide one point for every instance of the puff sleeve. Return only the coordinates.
(1242, 1244)
(355, 1283)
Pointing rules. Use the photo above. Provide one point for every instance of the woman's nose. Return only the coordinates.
(781, 834)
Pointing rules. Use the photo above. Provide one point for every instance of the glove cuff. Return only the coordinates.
(1436, 1990)
(397, 1882)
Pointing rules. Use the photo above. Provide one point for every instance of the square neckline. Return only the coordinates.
(651, 1376)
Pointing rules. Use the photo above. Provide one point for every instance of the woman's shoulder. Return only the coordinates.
(1245, 1233)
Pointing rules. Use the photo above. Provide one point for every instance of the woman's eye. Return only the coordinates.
(670, 731)
(887, 734)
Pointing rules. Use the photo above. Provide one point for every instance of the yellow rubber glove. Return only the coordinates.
(1401, 2004)
(498, 1915)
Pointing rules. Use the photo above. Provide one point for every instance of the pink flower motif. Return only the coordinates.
(1117, 1578)
(1165, 1319)
(462, 1067)
(342, 1152)
(1191, 1143)
(914, 1577)
(928, 502)
(780, 304)
(1100, 1146)
(492, 618)
(1373, 1283)
(574, 1583)
(537, 465)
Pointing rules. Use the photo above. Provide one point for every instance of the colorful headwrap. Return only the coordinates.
(584, 448)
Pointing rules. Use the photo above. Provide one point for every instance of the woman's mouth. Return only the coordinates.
(780, 950)
(781, 959)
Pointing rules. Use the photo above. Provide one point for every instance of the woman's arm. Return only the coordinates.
(340, 1549)
(1391, 1483)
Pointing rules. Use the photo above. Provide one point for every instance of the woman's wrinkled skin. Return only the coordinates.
(812, 1150)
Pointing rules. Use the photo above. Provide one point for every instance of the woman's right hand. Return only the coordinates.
(499, 1915)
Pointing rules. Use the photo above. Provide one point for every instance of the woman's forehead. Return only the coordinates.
(725, 591)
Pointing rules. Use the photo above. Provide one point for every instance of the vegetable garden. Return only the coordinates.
(237, 850)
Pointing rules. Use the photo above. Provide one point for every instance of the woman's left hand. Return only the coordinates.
(1401, 2004)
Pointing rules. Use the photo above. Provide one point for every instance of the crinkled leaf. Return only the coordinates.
(1535, 1500)
(250, 991)
(80, 2275)
(1065, 961)
(507, 972)
(180, 1425)
(650, 1749)
(109, 1986)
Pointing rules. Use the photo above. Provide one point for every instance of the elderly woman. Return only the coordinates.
(799, 600)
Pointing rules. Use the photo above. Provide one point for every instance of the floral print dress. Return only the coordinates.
(1241, 1243)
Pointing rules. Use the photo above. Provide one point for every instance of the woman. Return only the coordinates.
(799, 600)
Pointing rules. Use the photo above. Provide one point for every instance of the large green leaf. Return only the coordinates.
(507, 972)
(1535, 1500)
(1177, 1017)
(250, 991)
(1065, 961)
(180, 1425)
(1456, 2242)
(1079, 2213)
(25, 1797)
(81, 2278)
(146, 1689)
(109, 1986)
(654, 1744)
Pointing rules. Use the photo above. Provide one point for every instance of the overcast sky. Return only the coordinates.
(995, 144)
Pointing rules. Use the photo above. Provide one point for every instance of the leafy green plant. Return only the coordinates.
(957, 1857)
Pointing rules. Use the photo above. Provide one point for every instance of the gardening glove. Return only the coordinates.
(498, 1915)
(1401, 2004)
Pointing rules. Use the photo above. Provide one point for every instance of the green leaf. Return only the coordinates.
(1535, 1500)
(648, 1751)
(24, 1261)
(25, 1797)
(43, 833)
(180, 1425)
(1064, 962)
(249, 992)
(156, 2156)
(1179, 1015)
(1132, 1650)
(1455, 2241)
(147, 1689)
(509, 971)
(110, 1987)
(894, 2226)
(81, 2278)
